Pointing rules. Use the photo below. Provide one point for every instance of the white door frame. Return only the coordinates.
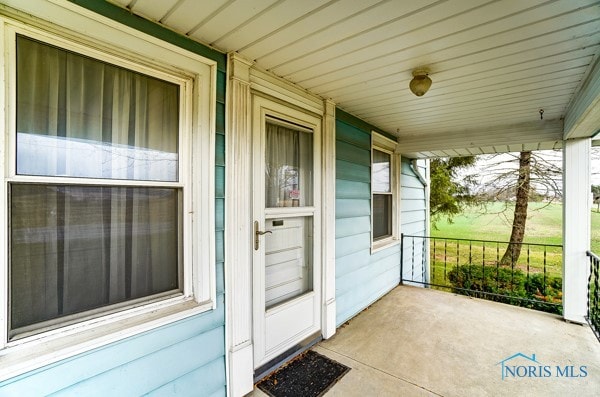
(243, 79)
(280, 328)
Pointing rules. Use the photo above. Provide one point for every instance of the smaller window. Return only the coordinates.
(383, 192)
(382, 195)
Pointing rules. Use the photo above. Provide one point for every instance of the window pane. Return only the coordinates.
(288, 259)
(288, 167)
(381, 172)
(382, 215)
(77, 248)
(80, 117)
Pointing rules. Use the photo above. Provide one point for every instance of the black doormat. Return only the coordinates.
(309, 375)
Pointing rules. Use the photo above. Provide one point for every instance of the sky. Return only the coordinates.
(484, 170)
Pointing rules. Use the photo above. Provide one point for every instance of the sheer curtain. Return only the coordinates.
(282, 165)
(288, 166)
(81, 247)
(80, 117)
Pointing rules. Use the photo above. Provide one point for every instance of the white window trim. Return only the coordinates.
(196, 76)
(386, 145)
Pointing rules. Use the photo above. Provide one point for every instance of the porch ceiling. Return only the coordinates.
(494, 64)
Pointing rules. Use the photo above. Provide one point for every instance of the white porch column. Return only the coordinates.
(328, 228)
(238, 229)
(576, 227)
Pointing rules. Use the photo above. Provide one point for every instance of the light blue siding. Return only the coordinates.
(413, 221)
(183, 358)
(345, 227)
(361, 277)
(131, 362)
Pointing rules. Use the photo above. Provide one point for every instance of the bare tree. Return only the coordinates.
(513, 251)
(519, 178)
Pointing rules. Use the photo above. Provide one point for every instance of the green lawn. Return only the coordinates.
(544, 224)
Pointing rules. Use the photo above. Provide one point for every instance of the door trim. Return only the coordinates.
(242, 79)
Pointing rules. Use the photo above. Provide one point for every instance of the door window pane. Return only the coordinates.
(288, 166)
(78, 248)
(80, 117)
(288, 259)
(382, 215)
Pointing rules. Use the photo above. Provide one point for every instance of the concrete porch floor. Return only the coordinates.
(422, 342)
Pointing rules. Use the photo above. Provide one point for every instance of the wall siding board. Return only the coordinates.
(352, 172)
(220, 121)
(352, 154)
(349, 119)
(186, 357)
(345, 227)
(413, 228)
(351, 134)
(220, 181)
(353, 303)
(220, 273)
(350, 263)
(220, 214)
(345, 208)
(352, 190)
(209, 381)
(346, 283)
(411, 193)
(221, 84)
(157, 368)
(220, 246)
(351, 299)
(220, 149)
(413, 205)
(409, 181)
(352, 244)
(413, 216)
(361, 276)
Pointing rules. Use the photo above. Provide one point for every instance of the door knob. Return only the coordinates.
(257, 234)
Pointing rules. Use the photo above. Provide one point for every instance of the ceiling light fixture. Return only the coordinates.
(420, 82)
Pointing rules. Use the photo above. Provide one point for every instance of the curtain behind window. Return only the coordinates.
(76, 248)
(382, 194)
(288, 166)
(80, 117)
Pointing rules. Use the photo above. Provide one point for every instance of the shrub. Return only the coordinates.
(507, 285)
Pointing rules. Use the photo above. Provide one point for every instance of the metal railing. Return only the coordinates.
(593, 294)
(531, 278)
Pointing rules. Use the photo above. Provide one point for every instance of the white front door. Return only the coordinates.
(287, 223)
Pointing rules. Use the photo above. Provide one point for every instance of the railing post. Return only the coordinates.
(593, 294)
(401, 258)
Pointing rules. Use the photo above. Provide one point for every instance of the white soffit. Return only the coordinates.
(493, 63)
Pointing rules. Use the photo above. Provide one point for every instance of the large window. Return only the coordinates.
(96, 190)
(383, 192)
